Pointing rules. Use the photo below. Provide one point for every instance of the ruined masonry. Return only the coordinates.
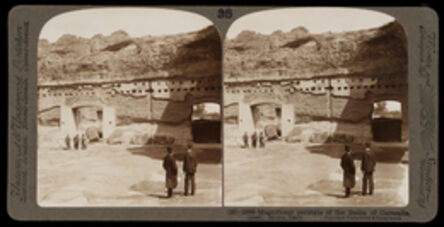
(317, 87)
(118, 80)
(166, 103)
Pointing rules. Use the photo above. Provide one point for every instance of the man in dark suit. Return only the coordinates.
(169, 164)
(253, 139)
(189, 168)
(68, 142)
(83, 141)
(368, 164)
(349, 171)
(245, 138)
(76, 141)
(261, 140)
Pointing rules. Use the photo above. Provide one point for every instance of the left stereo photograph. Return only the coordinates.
(129, 109)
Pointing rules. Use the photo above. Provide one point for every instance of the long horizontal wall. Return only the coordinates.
(168, 101)
(164, 105)
(346, 102)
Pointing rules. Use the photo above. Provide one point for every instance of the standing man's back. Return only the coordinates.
(348, 167)
(169, 164)
(368, 164)
(76, 141)
(245, 139)
(261, 140)
(68, 142)
(189, 168)
(253, 140)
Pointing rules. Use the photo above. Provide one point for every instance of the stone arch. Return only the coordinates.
(246, 120)
(265, 109)
(387, 128)
(402, 99)
(70, 119)
(206, 129)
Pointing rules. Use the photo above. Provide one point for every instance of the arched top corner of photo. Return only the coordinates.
(134, 21)
(314, 20)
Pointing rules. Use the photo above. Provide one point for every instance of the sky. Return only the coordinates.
(392, 106)
(209, 107)
(212, 108)
(136, 22)
(316, 20)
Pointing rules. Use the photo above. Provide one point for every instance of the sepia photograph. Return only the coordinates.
(129, 109)
(315, 109)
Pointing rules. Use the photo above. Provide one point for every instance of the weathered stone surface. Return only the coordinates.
(294, 136)
(129, 107)
(271, 132)
(167, 111)
(302, 55)
(93, 134)
(162, 140)
(231, 112)
(331, 79)
(119, 56)
(147, 80)
(49, 116)
(122, 136)
(141, 139)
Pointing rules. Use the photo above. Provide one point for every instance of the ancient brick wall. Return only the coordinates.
(346, 102)
(166, 103)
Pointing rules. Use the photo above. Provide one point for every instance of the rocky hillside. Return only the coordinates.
(121, 57)
(300, 54)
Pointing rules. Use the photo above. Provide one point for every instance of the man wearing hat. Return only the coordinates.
(348, 166)
(169, 164)
(368, 164)
(189, 169)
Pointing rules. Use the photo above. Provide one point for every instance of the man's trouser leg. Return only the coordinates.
(186, 183)
(193, 184)
(364, 183)
(347, 192)
(170, 192)
(371, 183)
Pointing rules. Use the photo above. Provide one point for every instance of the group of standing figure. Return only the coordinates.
(257, 140)
(189, 168)
(78, 142)
(368, 163)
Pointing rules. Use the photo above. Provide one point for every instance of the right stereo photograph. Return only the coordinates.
(315, 109)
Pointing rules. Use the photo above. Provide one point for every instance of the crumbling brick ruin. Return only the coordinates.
(321, 88)
(155, 80)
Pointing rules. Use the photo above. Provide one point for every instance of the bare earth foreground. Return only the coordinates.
(116, 175)
(283, 174)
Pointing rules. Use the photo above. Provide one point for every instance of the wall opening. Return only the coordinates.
(50, 117)
(267, 118)
(89, 119)
(387, 121)
(206, 122)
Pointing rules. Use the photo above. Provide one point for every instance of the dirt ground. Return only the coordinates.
(283, 174)
(119, 175)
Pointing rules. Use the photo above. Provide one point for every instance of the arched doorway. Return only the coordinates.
(49, 116)
(89, 119)
(87, 116)
(206, 122)
(387, 121)
(267, 117)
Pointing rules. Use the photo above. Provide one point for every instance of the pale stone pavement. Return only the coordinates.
(115, 175)
(285, 174)
(279, 175)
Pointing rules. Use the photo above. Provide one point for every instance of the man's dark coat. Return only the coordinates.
(169, 164)
(349, 170)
